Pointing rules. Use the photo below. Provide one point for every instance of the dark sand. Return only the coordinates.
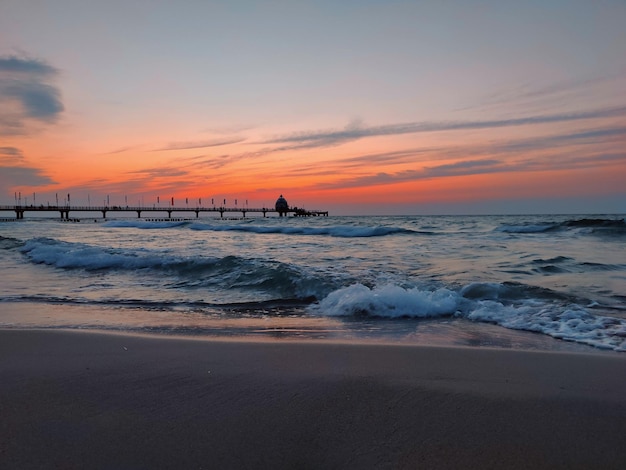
(83, 400)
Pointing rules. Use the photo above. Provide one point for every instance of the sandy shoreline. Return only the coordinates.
(88, 400)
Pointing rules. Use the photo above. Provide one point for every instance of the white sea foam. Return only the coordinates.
(572, 323)
(388, 301)
(144, 224)
(333, 231)
(539, 228)
(557, 319)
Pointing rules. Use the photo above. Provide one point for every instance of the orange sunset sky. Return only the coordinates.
(357, 107)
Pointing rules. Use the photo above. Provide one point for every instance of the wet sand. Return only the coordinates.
(88, 400)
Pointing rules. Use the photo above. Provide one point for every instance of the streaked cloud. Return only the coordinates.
(11, 156)
(355, 132)
(557, 95)
(595, 133)
(27, 95)
(588, 142)
(462, 168)
(556, 161)
(599, 136)
(465, 167)
(596, 147)
(201, 144)
(11, 151)
(16, 176)
(160, 172)
(119, 150)
(14, 173)
(28, 67)
(228, 130)
(213, 162)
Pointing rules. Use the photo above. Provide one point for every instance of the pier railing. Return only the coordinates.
(64, 211)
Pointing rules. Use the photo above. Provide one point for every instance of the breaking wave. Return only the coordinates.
(339, 231)
(593, 226)
(145, 224)
(514, 306)
(283, 280)
(343, 231)
(599, 226)
(8, 243)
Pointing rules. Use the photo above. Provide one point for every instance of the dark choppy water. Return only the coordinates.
(462, 280)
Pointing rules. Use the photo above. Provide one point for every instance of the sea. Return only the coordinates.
(538, 282)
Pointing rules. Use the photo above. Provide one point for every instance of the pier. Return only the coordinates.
(64, 211)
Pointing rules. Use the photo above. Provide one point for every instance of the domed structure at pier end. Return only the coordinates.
(281, 206)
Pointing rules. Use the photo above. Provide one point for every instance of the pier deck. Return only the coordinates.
(64, 211)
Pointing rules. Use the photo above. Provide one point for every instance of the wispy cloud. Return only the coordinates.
(394, 157)
(165, 180)
(160, 172)
(200, 144)
(557, 161)
(595, 133)
(354, 132)
(11, 156)
(557, 95)
(213, 162)
(14, 173)
(228, 130)
(26, 94)
(586, 148)
(16, 176)
(119, 150)
(28, 67)
(462, 168)
(472, 167)
(555, 148)
(597, 136)
(11, 151)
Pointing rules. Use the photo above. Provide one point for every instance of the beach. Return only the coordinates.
(100, 400)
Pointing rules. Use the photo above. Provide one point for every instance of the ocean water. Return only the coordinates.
(538, 282)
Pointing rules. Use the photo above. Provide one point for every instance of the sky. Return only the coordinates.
(359, 107)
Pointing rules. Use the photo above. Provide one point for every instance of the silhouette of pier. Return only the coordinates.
(64, 211)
